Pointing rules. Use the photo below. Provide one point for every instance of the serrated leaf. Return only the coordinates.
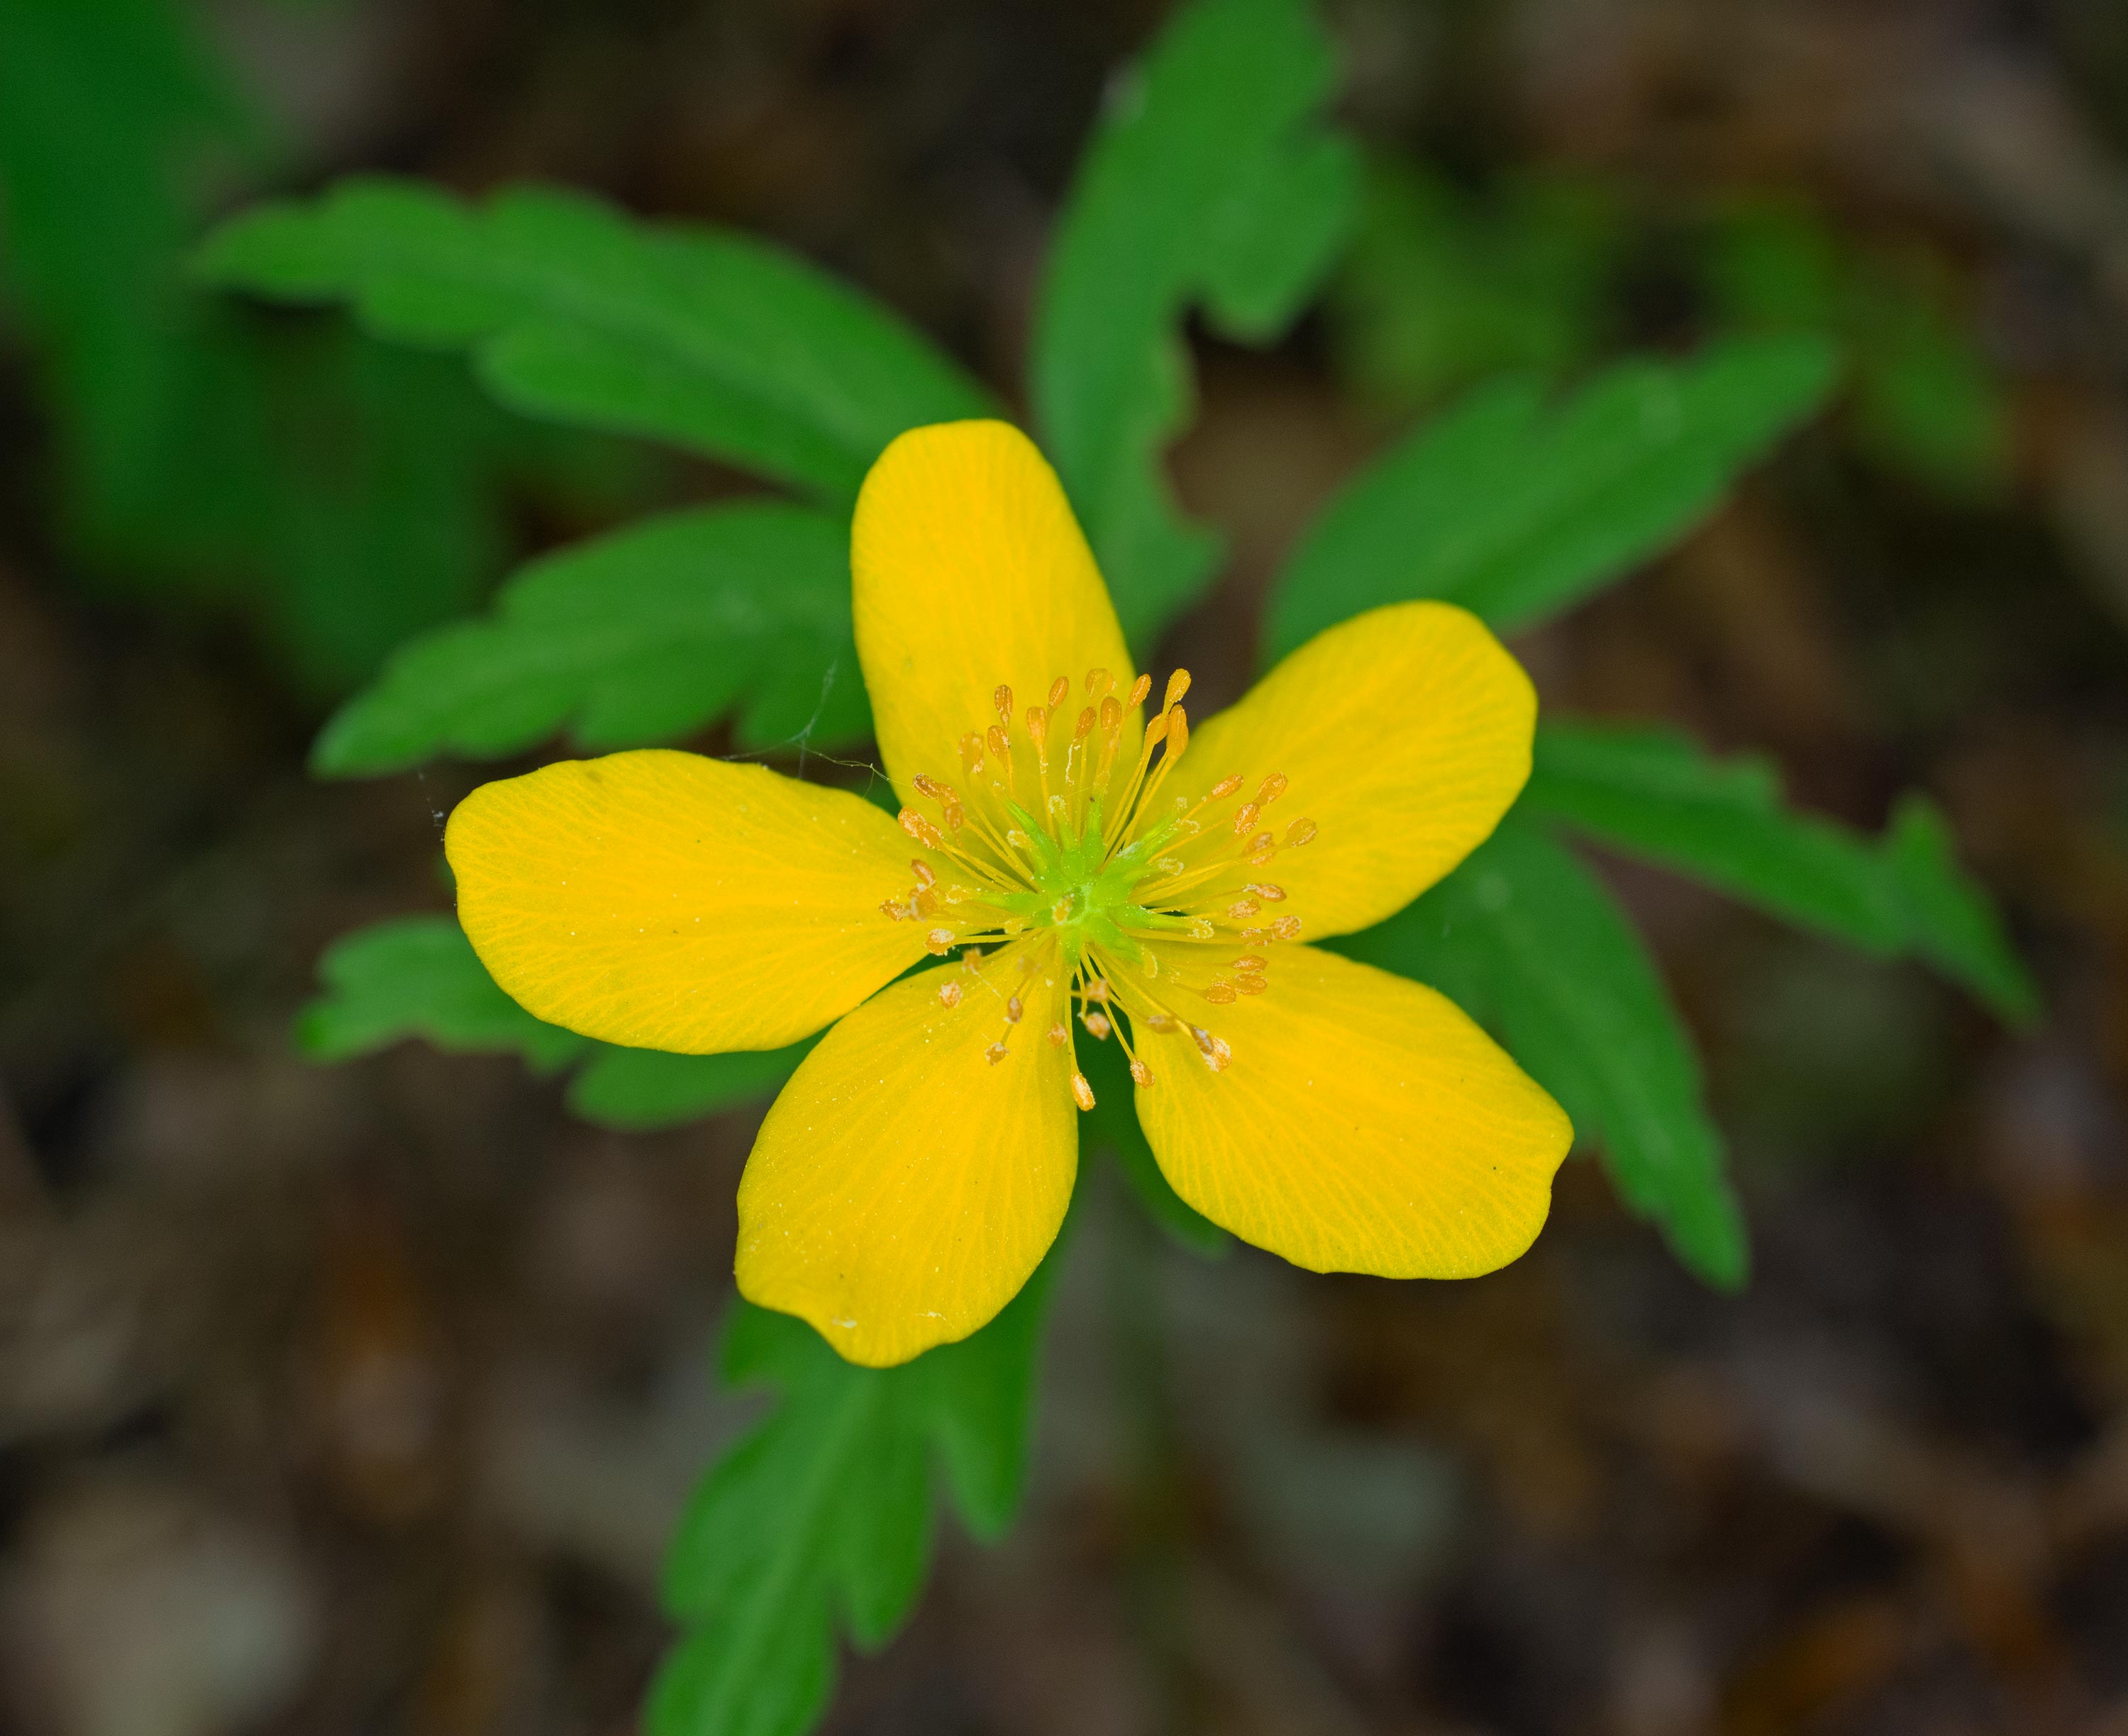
(635, 638)
(1516, 508)
(418, 976)
(1656, 794)
(571, 311)
(1210, 181)
(822, 1516)
(1525, 940)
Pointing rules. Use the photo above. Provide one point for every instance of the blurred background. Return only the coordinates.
(364, 1398)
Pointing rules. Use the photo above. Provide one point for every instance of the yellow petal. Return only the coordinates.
(903, 1185)
(1363, 1124)
(968, 572)
(1405, 734)
(667, 901)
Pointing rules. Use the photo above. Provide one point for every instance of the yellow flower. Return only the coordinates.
(1083, 875)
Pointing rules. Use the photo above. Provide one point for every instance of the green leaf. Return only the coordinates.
(636, 1090)
(1209, 181)
(1654, 792)
(1525, 940)
(822, 1516)
(1441, 289)
(1112, 1125)
(1516, 509)
(709, 339)
(418, 976)
(638, 636)
(1953, 924)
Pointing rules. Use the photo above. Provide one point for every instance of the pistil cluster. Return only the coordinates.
(1052, 861)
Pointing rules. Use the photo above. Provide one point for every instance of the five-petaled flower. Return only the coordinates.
(1083, 875)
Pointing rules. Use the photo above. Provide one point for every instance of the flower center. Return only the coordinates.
(1094, 893)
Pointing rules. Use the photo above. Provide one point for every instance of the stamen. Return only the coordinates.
(972, 751)
(1299, 833)
(921, 870)
(1002, 699)
(1162, 1023)
(1097, 1025)
(949, 994)
(1224, 787)
(1178, 683)
(1082, 1093)
(1013, 1010)
(1213, 1049)
(921, 829)
(1059, 690)
(1242, 909)
(1265, 890)
(1270, 789)
(1286, 928)
(996, 1053)
(1059, 1034)
(1099, 681)
(1249, 962)
(1248, 984)
(1245, 818)
(892, 909)
(1219, 993)
(1141, 1075)
(939, 940)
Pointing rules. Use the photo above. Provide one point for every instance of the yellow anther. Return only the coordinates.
(1220, 993)
(1270, 789)
(1260, 850)
(893, 909)
(1058, 1035)
(921, 829)
(1160, 1022)
(1286, 928)
(1178, 734)
(1178, 683)
(1111, 715)
(1245, 817)
(1265, 890)
(1250, 984)
(1001, 745)
(921, 870)
(1242, 909)
(972, 751)
(949, 994)
(1085, 725)
(1202, 929)
(1251, 961)
(1099, 681)
(924, 902)
(1082, 1093)
(1013, 1009)
(996, 1053)
(1097, 1025)
(1139, 689)
(940, 941)
(1213, 1049)
(1224, 787)
(1141, 1075)
(1168, 867)
(971, 957)
(1037, 723)
(1299, 833)
(1002, 699)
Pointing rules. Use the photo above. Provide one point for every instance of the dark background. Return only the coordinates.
(355, 1399)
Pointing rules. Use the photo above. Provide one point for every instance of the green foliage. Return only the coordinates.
(1518, 508)
(639, 637)
(418, 976)
(710, 340)
(1209, 181)
(822, 1517)
(1654, 792)
(1527, 940)
(349, 495)
(1926, 399)
(1443, 288)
